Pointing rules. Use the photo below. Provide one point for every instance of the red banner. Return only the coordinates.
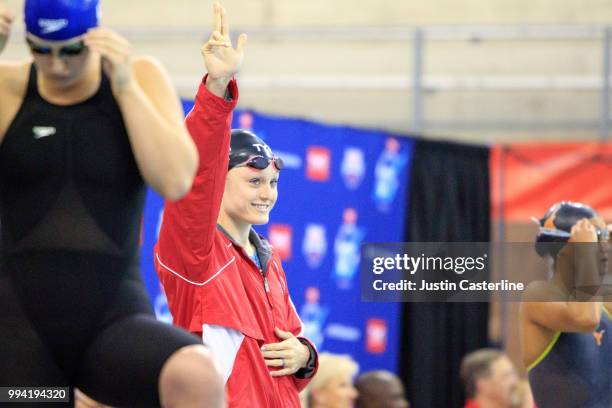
(528, 178)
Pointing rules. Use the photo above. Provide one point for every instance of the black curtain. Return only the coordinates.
(449, 201)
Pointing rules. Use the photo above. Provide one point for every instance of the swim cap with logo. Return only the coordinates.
(59, 20)
(245, 145)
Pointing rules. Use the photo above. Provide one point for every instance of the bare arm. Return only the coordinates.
(564, 316)
(164, 151)
(568, 316)
(153, 117)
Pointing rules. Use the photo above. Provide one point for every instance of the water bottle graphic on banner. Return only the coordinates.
(313, 317)
(346, 249)
(314, 245)
(352, 167)
(387, 173)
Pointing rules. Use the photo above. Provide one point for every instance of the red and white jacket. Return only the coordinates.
(213, 287)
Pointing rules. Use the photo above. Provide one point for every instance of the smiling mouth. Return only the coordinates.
(261, 207)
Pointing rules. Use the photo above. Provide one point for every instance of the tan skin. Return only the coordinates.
(83, 401)
(540, 321)
(248, 198)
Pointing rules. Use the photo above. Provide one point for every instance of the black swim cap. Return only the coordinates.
(557, 223)
(244, 145)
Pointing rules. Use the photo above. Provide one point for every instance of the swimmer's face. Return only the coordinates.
(61, 62)
(250, 194)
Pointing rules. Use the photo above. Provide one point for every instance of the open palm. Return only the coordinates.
(220, 58)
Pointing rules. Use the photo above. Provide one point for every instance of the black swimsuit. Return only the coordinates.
(73, 309)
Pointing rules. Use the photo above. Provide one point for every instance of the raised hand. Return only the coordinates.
(222, 61)
(6, 21)
(583, 231)
(116, 53)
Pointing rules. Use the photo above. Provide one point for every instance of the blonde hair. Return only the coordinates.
(330, 366)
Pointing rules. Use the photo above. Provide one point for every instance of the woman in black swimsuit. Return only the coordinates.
(82, 129)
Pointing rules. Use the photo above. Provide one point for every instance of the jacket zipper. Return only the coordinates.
(266, 288)
(265, 279)
(266, 285)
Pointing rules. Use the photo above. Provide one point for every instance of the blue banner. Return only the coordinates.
(340, 187)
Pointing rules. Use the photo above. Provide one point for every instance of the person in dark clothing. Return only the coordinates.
(83, 127)
(566, 343)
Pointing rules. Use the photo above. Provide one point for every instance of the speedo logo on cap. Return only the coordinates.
(51, 25)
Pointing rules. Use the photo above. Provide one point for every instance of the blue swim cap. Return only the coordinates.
(59, 20)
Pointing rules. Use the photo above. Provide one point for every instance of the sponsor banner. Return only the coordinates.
(527, 178)
(340, 187)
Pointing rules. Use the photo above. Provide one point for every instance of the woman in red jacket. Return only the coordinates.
(222, 280)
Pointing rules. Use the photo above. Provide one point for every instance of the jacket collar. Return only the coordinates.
(263, 248)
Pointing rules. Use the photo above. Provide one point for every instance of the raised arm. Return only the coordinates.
(570, 316)
(189, 224)
(209, 123)
(565, 316)
(164, 152)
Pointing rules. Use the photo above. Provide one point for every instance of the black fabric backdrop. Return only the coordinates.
(449, 201)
